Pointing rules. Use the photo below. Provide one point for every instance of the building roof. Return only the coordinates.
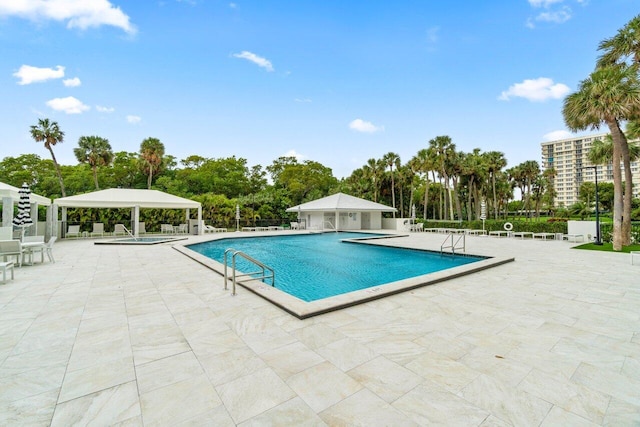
(7, 190)
(126, 198)
(341, 202)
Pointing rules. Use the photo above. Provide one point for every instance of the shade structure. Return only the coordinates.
(13, 193)
(341, 202)
(23, 219)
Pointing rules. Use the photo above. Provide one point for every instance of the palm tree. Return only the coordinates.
(625, 44)
(424, 164)
(95, 151)
(373, 170)
(622, 51)
(495, 163)
(444, 149)
(610, 95)
(392, 159)
(151, 154)
(49, 133)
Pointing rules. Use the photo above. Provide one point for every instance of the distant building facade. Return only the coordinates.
(569, 157)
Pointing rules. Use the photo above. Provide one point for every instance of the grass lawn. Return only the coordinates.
(607, 247)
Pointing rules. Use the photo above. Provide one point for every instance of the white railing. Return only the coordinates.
(263, 275)
(455, 245)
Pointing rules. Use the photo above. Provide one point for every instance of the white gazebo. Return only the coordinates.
(11, 195)
(129, 198)
(341, 212)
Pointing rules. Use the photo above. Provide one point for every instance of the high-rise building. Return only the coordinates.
(569, 157)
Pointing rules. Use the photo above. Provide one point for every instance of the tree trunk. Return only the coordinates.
(149, 177)
(618, 204)
(95, 177)
(628, 191)
(55, 162)
(426, 198)
(495, 200)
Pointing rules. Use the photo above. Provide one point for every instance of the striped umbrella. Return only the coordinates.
(23, 219)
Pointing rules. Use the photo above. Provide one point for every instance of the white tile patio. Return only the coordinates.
(146, 336)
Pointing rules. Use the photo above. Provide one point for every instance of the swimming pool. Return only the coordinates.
(321, 265)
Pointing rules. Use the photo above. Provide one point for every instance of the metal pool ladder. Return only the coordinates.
(265, 271)
(454, 244)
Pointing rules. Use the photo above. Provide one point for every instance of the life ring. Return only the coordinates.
(508, 226)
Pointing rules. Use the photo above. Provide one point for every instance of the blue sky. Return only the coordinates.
(332, 81)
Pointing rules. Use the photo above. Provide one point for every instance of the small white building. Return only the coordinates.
(341, 212)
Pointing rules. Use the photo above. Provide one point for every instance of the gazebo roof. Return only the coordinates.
(127, 198)
(7, 190)
(341, 202)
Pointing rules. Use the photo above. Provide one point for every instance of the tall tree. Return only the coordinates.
(390, 160)
(609, 95)
(94, 151)
(151, 155)
(50, 133)
(495, 161)
(622, 52)
(444, 150)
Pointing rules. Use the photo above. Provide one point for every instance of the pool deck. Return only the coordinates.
(142, 335)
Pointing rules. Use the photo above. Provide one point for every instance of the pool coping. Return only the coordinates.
(303, 310)
(140, 243)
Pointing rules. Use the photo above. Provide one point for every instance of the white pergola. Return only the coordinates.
(10, 196)
(135, 199)
(342, 212)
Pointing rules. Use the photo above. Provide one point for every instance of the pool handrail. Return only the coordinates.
(454, 245)
(262, 266)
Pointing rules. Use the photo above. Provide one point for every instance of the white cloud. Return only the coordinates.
(360, 125)
(258, 60)
(69, 105)
(28, 74)
(102, 109)
(432, 37)
(134, 119)
(294, 153)
(233, 5)
(558, 16)
(303, 100)
(543, 3)
(536, 90)
(81, 14)
(74, 82)
(556, 135)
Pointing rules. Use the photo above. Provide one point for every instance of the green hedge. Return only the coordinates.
(550, 226)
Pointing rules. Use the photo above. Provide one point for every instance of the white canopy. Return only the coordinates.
(341, 202)
(129, 198)
(126, 198)
(7, 190)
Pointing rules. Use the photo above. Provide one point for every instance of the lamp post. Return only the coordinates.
(598, 239)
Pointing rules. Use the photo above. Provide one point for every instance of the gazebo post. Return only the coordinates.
(136, 220)
(7, 211)
(200, 224)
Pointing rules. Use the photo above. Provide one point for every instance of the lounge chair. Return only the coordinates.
(119, 230)
(73, 231)
(10, 248)
(183, 229)
(209, 229)
(44, 248)
(98, 229)
(166, 228)
(294, 226)
(141, 229)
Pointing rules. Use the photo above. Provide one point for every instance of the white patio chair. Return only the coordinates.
(119, 230)
(98, 229)
(294, 225)
(9, 248)
(209, 229)
(166, 228)
(183, 229)
(48, 249)
(73, 231)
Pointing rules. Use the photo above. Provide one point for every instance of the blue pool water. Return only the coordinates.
(316, 266)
